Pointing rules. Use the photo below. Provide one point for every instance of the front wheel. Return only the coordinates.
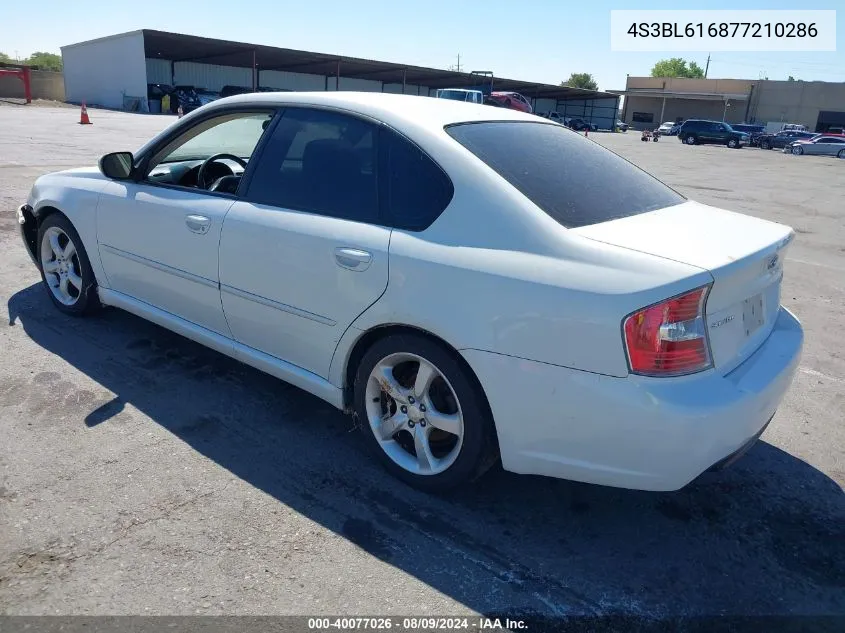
(797, 150)
(65, 268)
(422, 414)
(732, 143)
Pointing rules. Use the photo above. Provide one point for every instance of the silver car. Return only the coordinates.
(821, 145)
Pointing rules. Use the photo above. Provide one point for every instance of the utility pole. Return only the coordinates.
(458, 66)
(707, 67)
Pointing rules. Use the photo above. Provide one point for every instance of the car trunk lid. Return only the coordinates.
(743, 254)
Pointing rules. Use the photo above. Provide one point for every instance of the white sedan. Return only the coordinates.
(469, 282)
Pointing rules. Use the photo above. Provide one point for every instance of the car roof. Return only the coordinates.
(391, 108)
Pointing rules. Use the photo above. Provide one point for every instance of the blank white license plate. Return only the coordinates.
(752, 314)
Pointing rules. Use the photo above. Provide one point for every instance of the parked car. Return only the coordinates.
(621, 125)
(666, 128)
(207, 96)
(617, 333)
(557, 117)
(821, 145)
(695, 131)
(230, 91)
(186, 97)
(460, 94)
(753, 130)
(781, 139)
(581, 125)
(512, 100)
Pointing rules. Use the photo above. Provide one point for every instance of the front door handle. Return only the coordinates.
(353, 258)
(198, 223)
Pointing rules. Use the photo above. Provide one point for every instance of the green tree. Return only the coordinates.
(677, 67)
(45, 61)
(581, 80)
(790, 78)
(5, 58)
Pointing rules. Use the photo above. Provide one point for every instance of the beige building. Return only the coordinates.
(650, 101)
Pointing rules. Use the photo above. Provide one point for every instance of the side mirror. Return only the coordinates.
(117, 165)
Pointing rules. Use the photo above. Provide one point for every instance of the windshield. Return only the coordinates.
(576, 181)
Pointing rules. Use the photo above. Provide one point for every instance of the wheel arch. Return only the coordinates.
(369, 337)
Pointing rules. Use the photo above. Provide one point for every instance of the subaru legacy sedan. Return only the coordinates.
(470, 283)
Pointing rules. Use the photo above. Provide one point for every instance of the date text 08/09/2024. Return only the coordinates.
(724, 29)
(415, 624)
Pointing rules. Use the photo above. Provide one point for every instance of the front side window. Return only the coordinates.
(236, 134)
(574, 180)
(321, 162)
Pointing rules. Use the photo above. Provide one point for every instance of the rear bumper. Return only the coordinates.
(634, 432)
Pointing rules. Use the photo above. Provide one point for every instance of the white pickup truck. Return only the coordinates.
(460, 94)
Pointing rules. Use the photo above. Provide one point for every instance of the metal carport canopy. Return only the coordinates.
(177, 47)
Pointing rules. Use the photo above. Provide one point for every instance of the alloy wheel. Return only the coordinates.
(60, 263)
(414, 414)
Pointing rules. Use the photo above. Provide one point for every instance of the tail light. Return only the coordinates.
(669, 338)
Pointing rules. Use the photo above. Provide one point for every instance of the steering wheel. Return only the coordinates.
(201, 183)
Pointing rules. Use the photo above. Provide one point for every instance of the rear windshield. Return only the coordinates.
(573, 179)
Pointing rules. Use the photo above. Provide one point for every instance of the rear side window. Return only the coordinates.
(573, 179)
(417, 189)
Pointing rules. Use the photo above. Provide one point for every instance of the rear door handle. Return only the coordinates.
(198, 223)
(353, 258)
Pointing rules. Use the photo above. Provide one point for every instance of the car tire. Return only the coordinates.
(732, 143)
(840, 153)
(690, 139)
(765, 145)
(396, 413)
(797, 150)
(65, 268)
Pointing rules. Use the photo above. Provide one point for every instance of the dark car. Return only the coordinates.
(753, 130)
(229, 91)
(696, 131)
(782, 139)
(185, 96)
(581, 124)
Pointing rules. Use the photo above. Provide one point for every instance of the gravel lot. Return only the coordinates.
(143, 474)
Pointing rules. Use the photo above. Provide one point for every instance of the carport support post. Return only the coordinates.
(337, 77)
(662, 110)
(254, 73)
(404, 76)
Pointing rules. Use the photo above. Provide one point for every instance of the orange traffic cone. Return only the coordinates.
(83, 116)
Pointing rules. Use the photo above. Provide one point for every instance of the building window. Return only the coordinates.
(643, 117)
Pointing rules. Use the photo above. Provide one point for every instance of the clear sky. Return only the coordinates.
(537, 40)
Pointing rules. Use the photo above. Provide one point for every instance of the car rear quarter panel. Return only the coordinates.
(76, 193)
(496, 273)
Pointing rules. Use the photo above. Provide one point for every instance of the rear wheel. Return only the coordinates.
(65, 269)
(422, 414)
(690, 139)
(732, 143)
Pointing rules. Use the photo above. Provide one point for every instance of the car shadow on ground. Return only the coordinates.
(764, 537)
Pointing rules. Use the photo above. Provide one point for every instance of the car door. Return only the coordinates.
(828, 146)
(158, 237)
(306, 251)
